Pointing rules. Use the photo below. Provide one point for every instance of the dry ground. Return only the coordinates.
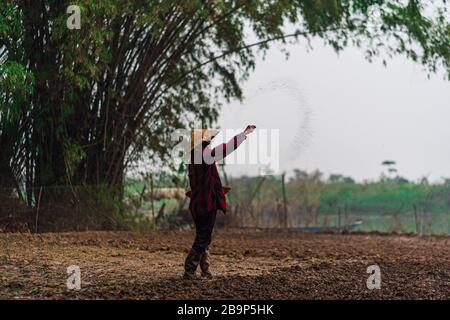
(248, 264)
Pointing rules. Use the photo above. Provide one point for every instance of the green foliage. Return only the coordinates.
(380, 197)
(16, 84)
(382, 205)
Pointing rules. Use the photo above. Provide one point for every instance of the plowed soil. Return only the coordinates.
(248, 264)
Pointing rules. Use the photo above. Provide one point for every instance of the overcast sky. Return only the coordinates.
(342, 114)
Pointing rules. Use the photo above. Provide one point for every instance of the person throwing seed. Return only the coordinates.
(207, 194)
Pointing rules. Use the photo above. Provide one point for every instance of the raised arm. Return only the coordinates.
(224, 149)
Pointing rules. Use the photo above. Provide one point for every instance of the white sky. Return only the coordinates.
(342, 114)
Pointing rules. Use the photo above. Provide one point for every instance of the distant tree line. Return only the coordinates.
(313, 199)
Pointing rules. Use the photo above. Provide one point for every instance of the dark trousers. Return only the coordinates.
(204, 225)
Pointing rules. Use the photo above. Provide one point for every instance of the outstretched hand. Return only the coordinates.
(250, 128)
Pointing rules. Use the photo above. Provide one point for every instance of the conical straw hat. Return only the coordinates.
(200, 135)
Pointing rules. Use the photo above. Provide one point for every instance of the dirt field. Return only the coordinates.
(248, 265)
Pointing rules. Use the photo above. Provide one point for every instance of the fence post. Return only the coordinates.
(285, 210)
(339, 218)
(152, 196)
(37, 210)
(416, 218)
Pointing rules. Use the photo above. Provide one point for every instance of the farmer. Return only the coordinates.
(207, 195)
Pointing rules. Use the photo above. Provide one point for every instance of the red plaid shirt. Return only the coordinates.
(207, 194)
